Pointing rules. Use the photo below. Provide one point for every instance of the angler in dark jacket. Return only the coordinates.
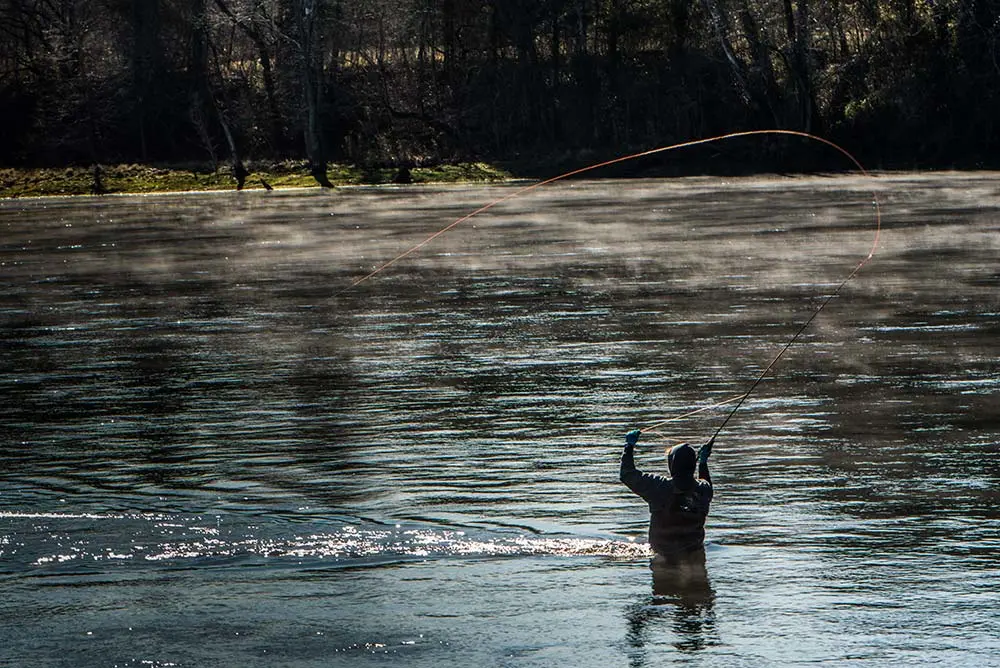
(678, 505)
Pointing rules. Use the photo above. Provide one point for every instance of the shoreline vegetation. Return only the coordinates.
(21, 182)
(135, 179)
(138, 179)
(529, 86)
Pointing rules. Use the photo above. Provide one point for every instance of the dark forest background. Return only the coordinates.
(902, 83)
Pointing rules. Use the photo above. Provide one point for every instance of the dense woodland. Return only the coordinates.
(902, 83)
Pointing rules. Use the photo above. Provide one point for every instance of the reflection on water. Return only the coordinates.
(682, 606)
(683, 578)
(210, 451)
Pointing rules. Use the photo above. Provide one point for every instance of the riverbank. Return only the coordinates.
(111, 179)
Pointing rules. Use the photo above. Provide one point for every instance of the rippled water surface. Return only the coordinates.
(214, 451)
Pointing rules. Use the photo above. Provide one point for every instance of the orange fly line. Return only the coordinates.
(663, 149)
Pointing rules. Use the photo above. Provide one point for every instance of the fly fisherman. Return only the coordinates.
(678, 505)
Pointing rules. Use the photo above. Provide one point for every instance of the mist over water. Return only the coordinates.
(214, 453)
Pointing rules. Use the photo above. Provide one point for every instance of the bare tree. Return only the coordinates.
(307, 24)
(256, 22)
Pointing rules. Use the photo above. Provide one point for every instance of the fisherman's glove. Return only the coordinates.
(632, 437)
(705, 451)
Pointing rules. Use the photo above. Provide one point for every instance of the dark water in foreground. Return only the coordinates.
(211, 455)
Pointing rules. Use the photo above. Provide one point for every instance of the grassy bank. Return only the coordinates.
(37, 182)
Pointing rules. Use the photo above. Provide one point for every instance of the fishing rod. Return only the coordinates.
(760, 377)
(830, 297)
(794, 338)
(740, 399)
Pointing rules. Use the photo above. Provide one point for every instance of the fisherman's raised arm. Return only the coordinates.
(641, 483)
(703, 454)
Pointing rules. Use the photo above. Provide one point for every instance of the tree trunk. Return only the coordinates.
(449, 39)
(555, 69)
(720, 25)
(310, 73)
(252, 31)
(145, 17)
(797, 29)
(767, 93)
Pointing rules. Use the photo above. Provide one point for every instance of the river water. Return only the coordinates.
(215, 452)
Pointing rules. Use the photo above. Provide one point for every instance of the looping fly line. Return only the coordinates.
(740, 399)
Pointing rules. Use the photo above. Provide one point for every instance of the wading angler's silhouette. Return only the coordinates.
(678, 505)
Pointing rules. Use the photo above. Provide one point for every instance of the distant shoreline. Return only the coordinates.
(120, 180)
(126, 179)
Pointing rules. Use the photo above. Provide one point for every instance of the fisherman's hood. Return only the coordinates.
(682, 460)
